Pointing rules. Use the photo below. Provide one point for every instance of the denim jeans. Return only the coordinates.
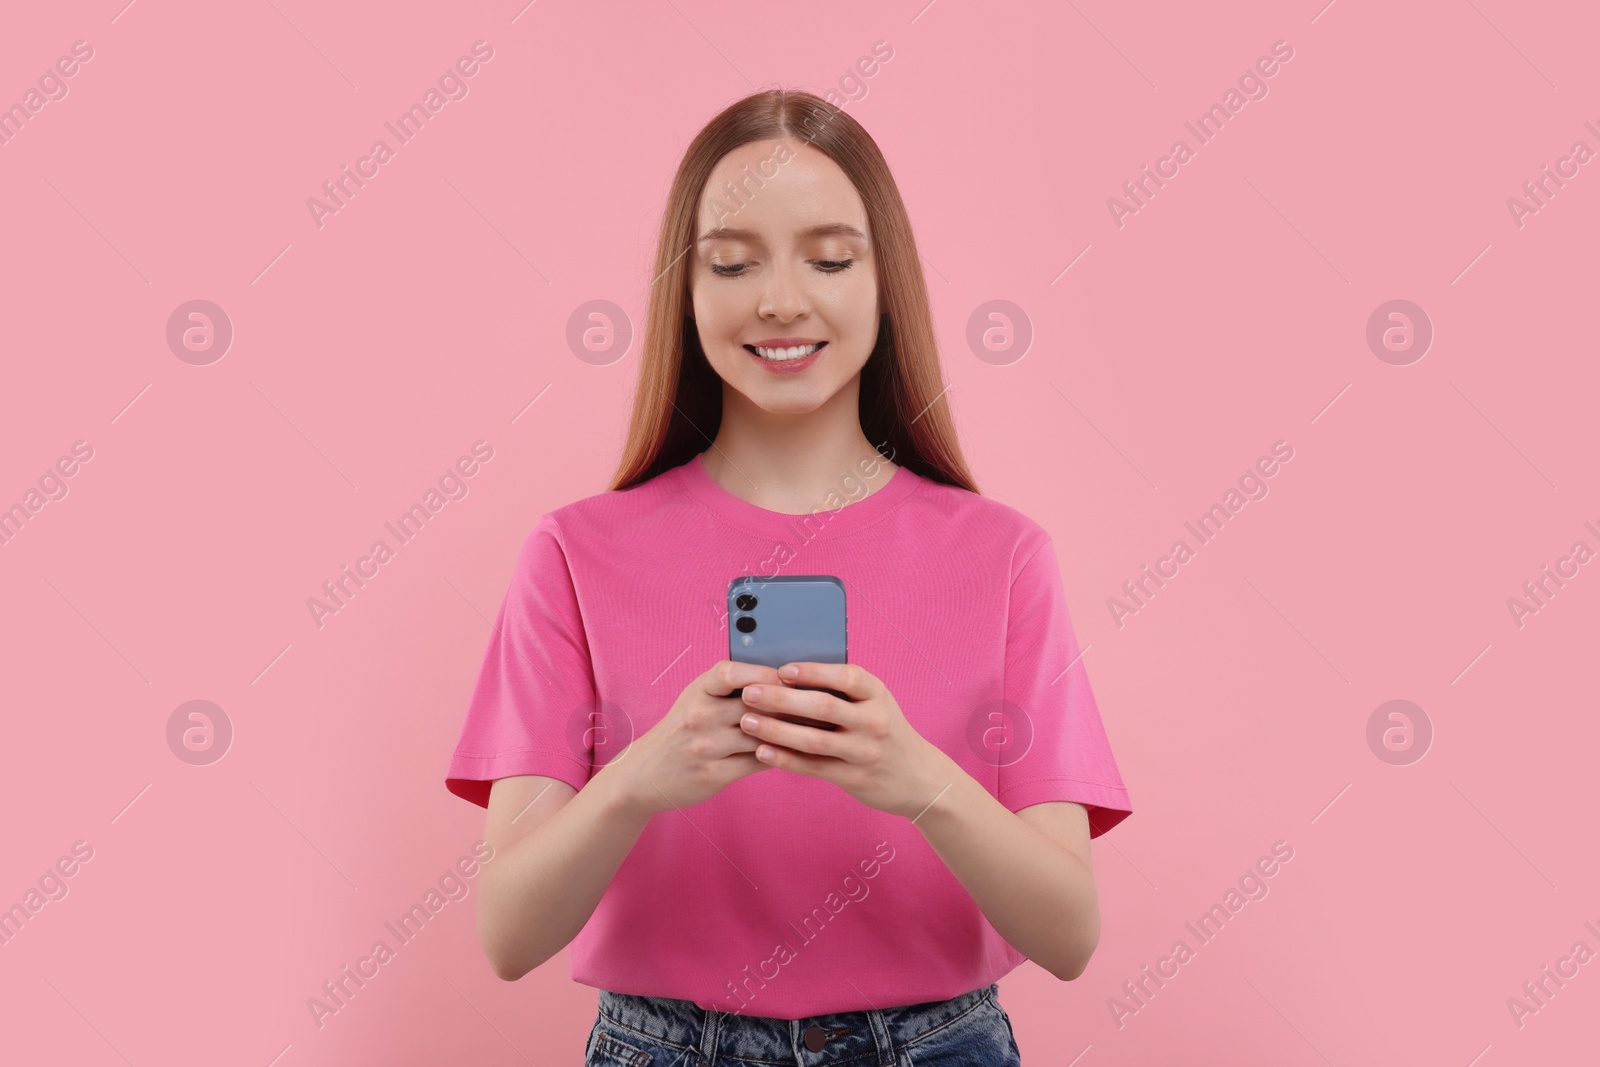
(970, 1030)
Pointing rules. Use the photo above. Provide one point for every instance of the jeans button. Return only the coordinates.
(815, 1038)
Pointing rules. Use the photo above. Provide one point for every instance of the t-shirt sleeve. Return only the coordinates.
(527, 714)
(1064, 754)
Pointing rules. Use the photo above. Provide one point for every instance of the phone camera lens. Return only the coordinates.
(745, 623)
(745, 602)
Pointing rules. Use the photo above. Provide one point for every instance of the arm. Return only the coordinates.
(556, 850)
(1029, 872)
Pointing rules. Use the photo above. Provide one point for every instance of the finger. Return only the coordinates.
(848, 678)
(724, 678)
(805, 703)
(803, 739)
(743, 751)
(744, 764)
(730, 769)
(790, 760)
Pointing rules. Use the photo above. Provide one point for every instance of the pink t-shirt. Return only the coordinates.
(782, 895)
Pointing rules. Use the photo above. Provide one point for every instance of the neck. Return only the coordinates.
(790, 463)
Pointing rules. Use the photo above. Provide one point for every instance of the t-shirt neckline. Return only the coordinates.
(822, 523)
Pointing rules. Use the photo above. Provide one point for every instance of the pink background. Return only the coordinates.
(368, 354)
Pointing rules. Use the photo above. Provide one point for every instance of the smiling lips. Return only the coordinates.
(783, 349)
(788, 360)
(783, 354)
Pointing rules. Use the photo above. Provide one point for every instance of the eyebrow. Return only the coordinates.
(827, 229)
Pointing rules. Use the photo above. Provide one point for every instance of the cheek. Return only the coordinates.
(853, 318)
(713, 322)
(853, 306)
(718, 311)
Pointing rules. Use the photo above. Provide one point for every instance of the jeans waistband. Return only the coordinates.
(817, 1039)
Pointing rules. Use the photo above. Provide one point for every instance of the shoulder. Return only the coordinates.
(978, 521)
(604, 520)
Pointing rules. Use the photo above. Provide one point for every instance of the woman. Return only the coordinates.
(739, 887)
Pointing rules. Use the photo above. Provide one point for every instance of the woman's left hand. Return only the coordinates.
(875, 755)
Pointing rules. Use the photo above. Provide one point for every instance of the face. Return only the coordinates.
(786, 264)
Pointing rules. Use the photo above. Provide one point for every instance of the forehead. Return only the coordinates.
(776, 188)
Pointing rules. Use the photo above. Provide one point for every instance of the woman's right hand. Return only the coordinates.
(698, 747)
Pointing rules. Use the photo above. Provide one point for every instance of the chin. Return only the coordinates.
(787, 406)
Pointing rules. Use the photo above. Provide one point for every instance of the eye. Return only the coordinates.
(827, 266)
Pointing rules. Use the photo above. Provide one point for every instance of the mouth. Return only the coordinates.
(787, 361)
(793, 354)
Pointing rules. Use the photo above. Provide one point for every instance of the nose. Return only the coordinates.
(782, 297)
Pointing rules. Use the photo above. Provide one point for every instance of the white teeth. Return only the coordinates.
(782, 354)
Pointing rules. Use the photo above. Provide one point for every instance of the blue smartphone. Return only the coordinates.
(795, 618)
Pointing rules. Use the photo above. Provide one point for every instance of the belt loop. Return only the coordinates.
(880, 1034)
(708, 1039)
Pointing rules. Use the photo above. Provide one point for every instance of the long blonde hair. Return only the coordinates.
(677, 406)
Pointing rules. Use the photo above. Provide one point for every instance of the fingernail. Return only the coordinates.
(750, 722)
(752, 692)
(790, 671)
